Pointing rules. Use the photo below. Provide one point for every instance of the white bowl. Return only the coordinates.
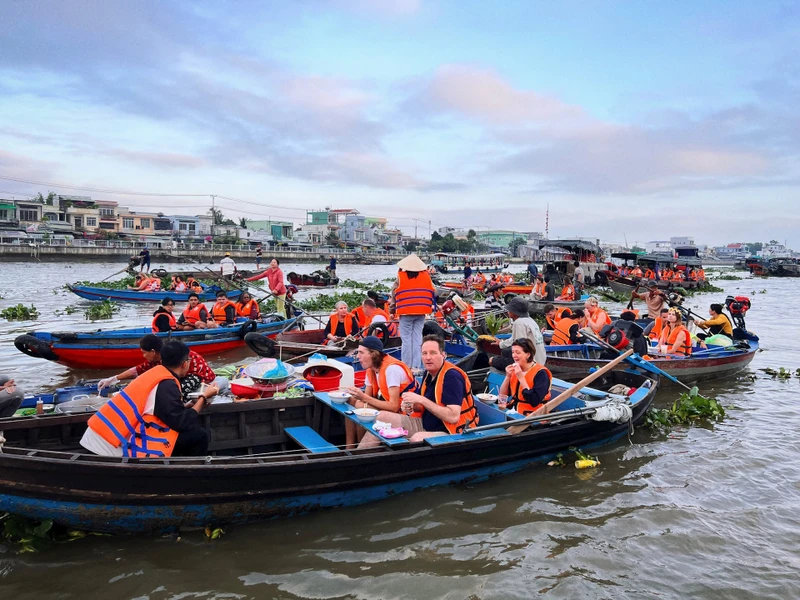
(366, 415)
(339, 397)
(487, 398)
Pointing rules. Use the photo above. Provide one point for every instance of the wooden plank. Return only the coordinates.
(310, 440)
(460, 438)
(342, 410)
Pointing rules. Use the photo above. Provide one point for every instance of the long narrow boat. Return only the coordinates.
(446, 262)
(276, 458)
(573, 361)
(97, 293)
(626, 285)
(536, 307)
(119, 348)
(296, 343)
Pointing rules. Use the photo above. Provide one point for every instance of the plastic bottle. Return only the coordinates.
(39, 407)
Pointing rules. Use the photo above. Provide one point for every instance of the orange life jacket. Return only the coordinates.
(349, 327)
(246, 310)
(392, 326)
(672, 337)
(380, 377)
(658, 326)
(359, 315)
(561, 332)
(121, 421)
(172, 322)
(197, 287)
(637, 272)
(701, 275)
(568, 292)
(560, 311)
(480, 280)
(192, 315)
(517, 400)
(598, 319)
(414, 296)
(468, 417)
(538, 288)
(218, 312)
(649, 274)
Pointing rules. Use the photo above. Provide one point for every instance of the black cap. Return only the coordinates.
(371, 342)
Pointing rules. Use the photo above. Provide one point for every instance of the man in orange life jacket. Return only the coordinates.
(148, 418)
(222, 313)
(445, 401)
(340, 324)
(163, 319)
(194, 316)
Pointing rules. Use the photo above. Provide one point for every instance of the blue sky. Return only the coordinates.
(632, 121)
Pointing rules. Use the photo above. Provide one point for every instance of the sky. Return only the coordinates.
(632, 121)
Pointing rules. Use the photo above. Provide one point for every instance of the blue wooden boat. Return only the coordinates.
(119, 348)
(279, 457)
(97, 293)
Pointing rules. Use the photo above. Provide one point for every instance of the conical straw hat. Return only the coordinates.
(412, 262)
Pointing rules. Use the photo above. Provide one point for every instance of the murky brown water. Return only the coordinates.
(705, 512)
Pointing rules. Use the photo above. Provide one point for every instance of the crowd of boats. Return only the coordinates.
(277, 441)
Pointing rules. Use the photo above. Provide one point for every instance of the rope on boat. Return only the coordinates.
(614, 411)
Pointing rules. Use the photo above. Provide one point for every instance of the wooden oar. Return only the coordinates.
(568, 393)
(117, 273)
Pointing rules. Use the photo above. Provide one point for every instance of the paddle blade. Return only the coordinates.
(695, 391)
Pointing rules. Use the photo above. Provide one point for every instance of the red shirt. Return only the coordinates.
(197, 366)
(275, 280)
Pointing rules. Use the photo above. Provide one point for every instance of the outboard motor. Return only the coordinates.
(738, 307)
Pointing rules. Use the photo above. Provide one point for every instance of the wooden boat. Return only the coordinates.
(276, 458)
(296, 343)
(536, 307)
(574, 361)
(209, 273)
(113, 349)
(444, 290)
(97, 293)
(315, 279)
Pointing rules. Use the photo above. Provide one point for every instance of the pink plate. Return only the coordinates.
(395, 432)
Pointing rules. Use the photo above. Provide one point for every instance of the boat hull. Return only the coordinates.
(105, 495)
(301, 280)
(120, 348)
(536, 307)
(94, 293)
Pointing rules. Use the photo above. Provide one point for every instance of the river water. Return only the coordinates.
(703, 512)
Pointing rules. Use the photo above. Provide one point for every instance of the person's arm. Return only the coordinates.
(574, 334)
(328, 334)
(230, 315)
(170, 409)
(453, 392)
(536, 394)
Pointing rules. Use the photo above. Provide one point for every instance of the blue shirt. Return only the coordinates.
(332, 266)
(453, 392)
(467, 272)
(533, 270)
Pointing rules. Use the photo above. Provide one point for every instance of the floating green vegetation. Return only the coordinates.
(687, 409)
(68, 310)
(494, 323)
(213, 533)
(728, 278)
(358, 285)
(32, 535)
(101, 310)
(610, 295)
(323, 302)
(781, 373)
(582, 460)
(20, 312)
(707, 287)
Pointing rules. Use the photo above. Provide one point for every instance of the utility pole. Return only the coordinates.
(213, 215)
(429, 230)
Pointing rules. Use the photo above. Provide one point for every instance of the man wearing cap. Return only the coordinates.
(227, 268)
(332, 266)
(387, 380)
(522, 327)
(413, 296)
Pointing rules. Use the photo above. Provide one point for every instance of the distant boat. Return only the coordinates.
(98, 293)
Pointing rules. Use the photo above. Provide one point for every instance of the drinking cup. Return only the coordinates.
(502, 401)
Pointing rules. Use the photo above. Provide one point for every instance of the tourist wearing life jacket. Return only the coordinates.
(414, 297)
(223, 312)
(636, 272)
(522, 326)
(675, 340)
(247, 307)
(387, 379)
(445, 405)
(479, 280)
(567, 292)
(194, 316)
(538, 291)
(718, 323)
(553, 315)
(148, 418)
(373, 314)
(527, 384)
(141, 281)
(701, 274)
(340, 324)
(654, 329)
(163, 319)
(193, 285)
(596, 317)
(567, 330)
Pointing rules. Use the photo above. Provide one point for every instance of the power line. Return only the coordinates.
(98, 190)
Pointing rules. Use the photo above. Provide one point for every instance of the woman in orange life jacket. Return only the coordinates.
(223, 312)
(675, 339)
(444, 405)
(538, 291)
(527, 383)
(194, 316)
(341, 324)
(636, 271)
(140, 282)
(567, 330)
(414, 298)
(153, 405)
(596, 317)
(178, 284)
(163, 319)
(649, 274)
(387, 379)
(247, 307)
(567, 292)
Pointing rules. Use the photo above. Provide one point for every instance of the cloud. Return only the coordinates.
(25, 167)
(158, 159)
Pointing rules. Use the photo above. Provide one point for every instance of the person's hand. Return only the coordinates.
(510, 369)
(517, 370)
(9, 386)
(107, 382)
(210, 390)
(355, 392)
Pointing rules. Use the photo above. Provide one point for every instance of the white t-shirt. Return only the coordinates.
(578, 274)
(227, 265)
(97, 444)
